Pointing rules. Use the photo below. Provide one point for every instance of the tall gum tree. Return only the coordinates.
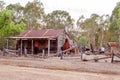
(94, 28)
(114, 28)
(17, 11)
(34, 14)
(2, 5)
(58, 19)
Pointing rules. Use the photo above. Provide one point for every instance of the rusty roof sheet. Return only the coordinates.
(46, 33)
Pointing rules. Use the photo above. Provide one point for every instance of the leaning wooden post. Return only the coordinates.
(48, 47)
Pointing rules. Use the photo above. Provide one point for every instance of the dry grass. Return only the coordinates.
(55, 63)
(55, 69)
(67, 64)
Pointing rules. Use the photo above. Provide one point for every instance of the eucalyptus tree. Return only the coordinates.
(95, 28)
(79, 31)
(2, 5)
(103, 26)
(17, 12)
(80, 23)
(34, 14)
(115, 23)
(89, 28)
(58, 19)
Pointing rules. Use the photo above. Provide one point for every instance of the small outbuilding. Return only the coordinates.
(35, 41)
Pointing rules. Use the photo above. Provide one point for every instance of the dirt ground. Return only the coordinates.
(24, 73)
(52, 68)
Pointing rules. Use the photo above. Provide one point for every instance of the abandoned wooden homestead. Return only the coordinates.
(35, 41)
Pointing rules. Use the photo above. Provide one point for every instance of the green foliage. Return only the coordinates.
(115, 23)
(34, 14)
(12, 29)
(58, 19)
(89, 27)
(7, 27)
(17, 11)
(94, 28)
(83, 40)
(118, 21)
(5, 18)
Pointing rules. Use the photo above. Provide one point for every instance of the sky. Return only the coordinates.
(76, 8)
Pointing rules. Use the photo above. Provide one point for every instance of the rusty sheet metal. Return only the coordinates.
(46, 33)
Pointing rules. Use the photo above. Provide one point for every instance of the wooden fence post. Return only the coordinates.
(61, 55)
(81, 55)
(112, 57)
(43, 53)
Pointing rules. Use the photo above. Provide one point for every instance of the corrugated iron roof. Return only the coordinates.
(46, 33)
